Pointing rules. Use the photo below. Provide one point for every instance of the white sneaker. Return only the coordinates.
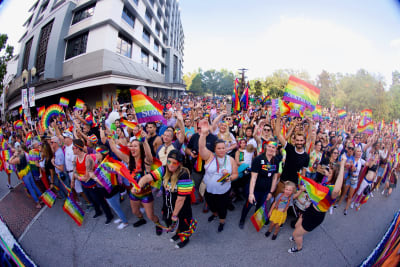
(352, 205)
(331, 210)
(372, 195)
(383, 192)
(117, 221)
(122, 226)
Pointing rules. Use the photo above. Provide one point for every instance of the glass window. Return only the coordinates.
(155, 64)
(77, 45)
(147, 16)
(146, 35)
(124, 46)
(156, 47)
(162, 68)
(136, 2)
(159, 14)
(145, 58)
(163, 54)
(151, 2)
(128, 17)
(27, 53)
(158, 31)
(42, 49)
(83, 14)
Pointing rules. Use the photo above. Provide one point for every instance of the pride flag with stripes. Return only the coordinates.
(235, 100)
(279, 106)
(64, 102)
(79, 104)
(259, 217)
(126, 123)
(317, 113)
(18, 124)
(366, 113)
(300, 92)
(245, 99)
(147, 110)
(319, 194)
(48, 198)
(342, 113)
(41, 111)
(20, 111)
(365, 127)
(73, 210)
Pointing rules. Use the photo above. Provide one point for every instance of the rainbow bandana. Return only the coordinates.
(272, 143)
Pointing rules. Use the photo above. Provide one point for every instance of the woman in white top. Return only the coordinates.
(243, 156)
(220, 170)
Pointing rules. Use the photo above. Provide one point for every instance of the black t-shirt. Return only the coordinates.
(266, 170)
(194, 145)
(294, 163)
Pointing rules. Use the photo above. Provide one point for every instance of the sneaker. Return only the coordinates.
(293, 250)
(10, 187)
(122, 226)
(108, 221)
(291, 238)
(97, 215)
(345, 212)
(211, 218)
(241, 224)
(221, 227)
(174, 238)
(182, 244)
(267, 234)
(331, 210)
(372, 195)
(158, 230)
(117, 221)
(274, 237)
(352, 205)
(140, 222)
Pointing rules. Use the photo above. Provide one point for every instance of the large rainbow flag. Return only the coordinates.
(147, 110)
(365, 127)
(300, 92)
(342, 113)
(245, 99)
(317, 113)
(73, 210)
(366, 113)
(319, 194)
(279, 106)
(235, 98)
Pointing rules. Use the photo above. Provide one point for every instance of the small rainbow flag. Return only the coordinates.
(279, 106)
(319, 194)
(342, 113)
(300, 92)
(48, 198)
(147, 110)
(116, 167)
(34, 156)
(198, 166)
(259, 217)
(382, 125)
(139, 136)
(20, 111)
(73, 210)
(317, 113)
(1, 133)
(51, 112)
(266, 100)
(245, 99)
(41, 111)
(18, 124)
(235, 98)
(28, 139)
(126, 123)
(223, 178)
(64, 102)
(367, 113)
(3, 144)
(295, 110)
(79, 104)
(367, 128)
(104, 177)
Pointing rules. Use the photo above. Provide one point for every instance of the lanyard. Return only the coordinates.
(216, 158)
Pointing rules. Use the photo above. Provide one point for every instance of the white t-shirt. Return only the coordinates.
(69, 158)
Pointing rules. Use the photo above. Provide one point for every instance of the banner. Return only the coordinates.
(32, 97)
(24, 100)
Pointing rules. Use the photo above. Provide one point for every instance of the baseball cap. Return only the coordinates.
(68, 134)
(175, 154)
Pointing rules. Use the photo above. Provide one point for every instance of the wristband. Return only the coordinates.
(174, 217)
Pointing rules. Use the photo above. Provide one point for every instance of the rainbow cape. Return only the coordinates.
(126, 123)
(73, 210)
(244, 100)
(64, 102)
(259, 217)
(20, 111)
(79, 104)
(147, 110)
(48, 198)
(41, 111)
(300, 92)
(342, 113)
(18, 124)
(319, 194)
(365, 127)
(51, 112)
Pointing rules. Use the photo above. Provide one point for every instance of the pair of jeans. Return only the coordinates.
(31, 186)
(96, 197)
(63, 191)
(116, 206)
(260, 199)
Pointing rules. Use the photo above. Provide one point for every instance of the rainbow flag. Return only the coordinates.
(157, 175)
(90, 120)
(20, 111)
(139, 136)
(223, 178)
(319, 194)
(73, 210)
(34, 156)
(147, 110)
(64, 102)
(245, 99)
(266, 100)
(235, 100)
(116, 167)
(382, 125)
(48, 198)
(18, 124)
(198, 166)
(1, 133)
(279, 106)
(300, 92)
(106, 177)
(259, 217)
(317, 113)
(296, 110)
(28, 139)
(367, 113)
(41, 111)
(125, 123)
(367, 128)
(79, 104)
(51, 112)
(342, 113)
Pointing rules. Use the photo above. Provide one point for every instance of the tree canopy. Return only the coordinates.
(5, 56)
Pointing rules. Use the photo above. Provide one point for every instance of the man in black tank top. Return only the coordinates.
(153, 139)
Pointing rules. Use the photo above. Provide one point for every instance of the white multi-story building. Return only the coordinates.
(97, 49)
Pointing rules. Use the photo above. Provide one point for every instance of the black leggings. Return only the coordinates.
(96, 196)
(218, 203)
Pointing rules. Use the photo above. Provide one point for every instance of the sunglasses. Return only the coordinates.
(172, 163)
(228, 119)
(267, 129)
(350, 148)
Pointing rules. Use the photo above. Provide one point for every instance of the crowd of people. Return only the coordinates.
(209, 156)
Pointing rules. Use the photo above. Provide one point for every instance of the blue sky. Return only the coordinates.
(264, 35)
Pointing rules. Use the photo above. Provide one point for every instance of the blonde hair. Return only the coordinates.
(289, 183)
(173, 177)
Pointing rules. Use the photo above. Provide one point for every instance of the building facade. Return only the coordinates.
(97, 50)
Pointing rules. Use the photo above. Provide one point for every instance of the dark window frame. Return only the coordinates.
(121, 39)
(76, 46)
(128, 17)
(146, 35)
(27, 54)
(42, 46)
(83, 13)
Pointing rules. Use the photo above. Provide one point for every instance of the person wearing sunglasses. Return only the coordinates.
(349, 168)
(262, 139)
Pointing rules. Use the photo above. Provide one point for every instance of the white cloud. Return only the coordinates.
(395, 43)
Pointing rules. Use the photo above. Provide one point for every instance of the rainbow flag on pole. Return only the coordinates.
(73, 210)
(279, 106)
(126, 123)
(147, 110)
(79, 104)
(18, 124)
(64, 102)
(20, 111)
(319, 194)
(259, 217)
(342, 113)
(300, 92)
(41, 111)
(48, 198)
(245, 99)
(236, 102)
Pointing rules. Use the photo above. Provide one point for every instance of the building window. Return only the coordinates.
(165, 41)
(155, 64)
(156, 47)
(175, 73)
(128, 17)
(145, 58)
(43, 7)
(147, 16)
(146, 35)
(151, 2)
(158, 31)
(165, 26)
(136, 2)
(163, 53)
(83, 14)
(162, 68)
(42, 49)
(124, 46)
(27, 53)
(77, 45)
(159, 14)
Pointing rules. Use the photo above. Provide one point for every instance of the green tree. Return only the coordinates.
(226, 82)
(324, 83)
(188, 78)
(196, 87)
(258, 88)
(5, 56)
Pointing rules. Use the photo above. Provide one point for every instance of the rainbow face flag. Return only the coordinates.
(147, 110)
(319, 194)
(50, 113)
(259, 217)
(18, 124)
(300, 92)
(79, 104)
(125, 123)
(366, 128)
(48, 198)
(342, 113)
(41, 111)
(73, 210)
(64, 102)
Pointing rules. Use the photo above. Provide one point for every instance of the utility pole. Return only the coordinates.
(243, 83)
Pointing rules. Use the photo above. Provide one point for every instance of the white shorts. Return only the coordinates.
(363, 185)
(78, 186)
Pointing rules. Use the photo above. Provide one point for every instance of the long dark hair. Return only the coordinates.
(132, 162)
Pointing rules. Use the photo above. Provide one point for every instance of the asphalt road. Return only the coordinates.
(55, 240)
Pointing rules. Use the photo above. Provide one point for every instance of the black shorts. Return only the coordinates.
(218, 203)
(312, 218)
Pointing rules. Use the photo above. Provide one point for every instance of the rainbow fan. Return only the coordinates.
(51, 112)
(18, 124)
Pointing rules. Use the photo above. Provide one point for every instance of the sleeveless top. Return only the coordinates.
(215, 170)
(23, 166)
(150, 140)
(81, 170)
